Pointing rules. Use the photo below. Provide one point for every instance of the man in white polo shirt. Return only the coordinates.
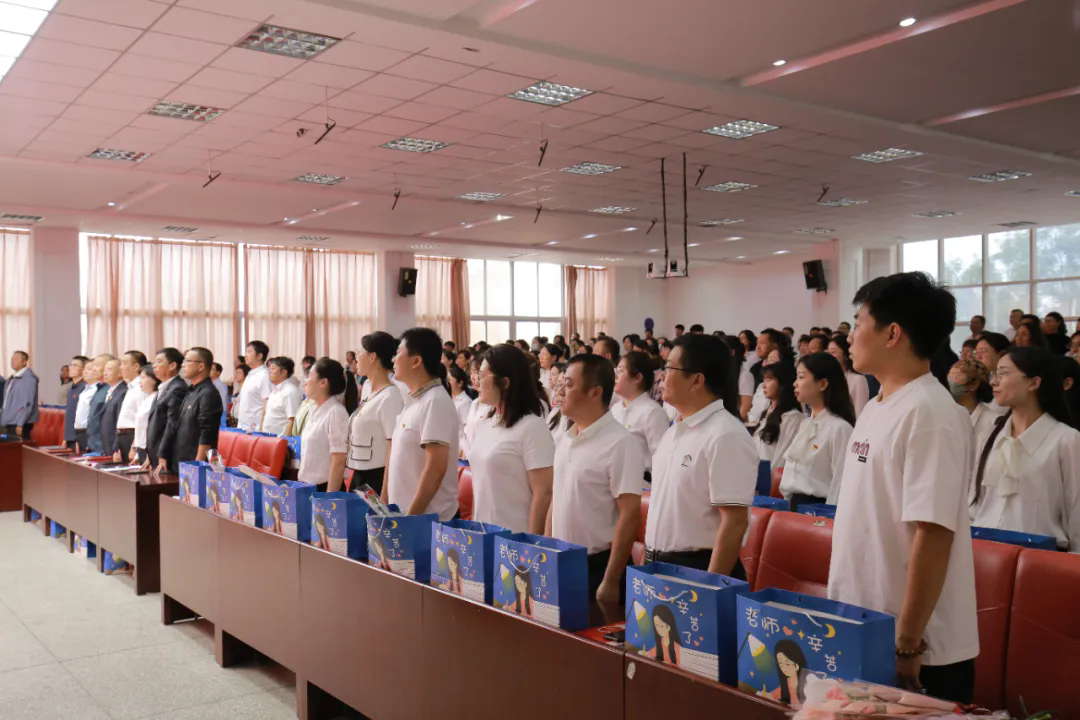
(705, 468)
(901, 539)
(599, 466)
(256, 388)
(130, 366)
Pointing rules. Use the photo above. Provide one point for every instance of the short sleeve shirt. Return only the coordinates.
(501, 459)
(429, 417)
(325, 432)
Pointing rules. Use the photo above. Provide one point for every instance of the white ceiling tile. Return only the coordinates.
(180, 49)
(204, 26)
(133, 13)
(88, 32)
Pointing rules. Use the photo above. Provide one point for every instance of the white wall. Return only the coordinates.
(57, 329)
(636, 297)
(394, 313)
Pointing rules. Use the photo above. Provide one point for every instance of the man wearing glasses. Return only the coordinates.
(200, 413)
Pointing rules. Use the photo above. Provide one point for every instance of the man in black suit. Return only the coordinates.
(200, 414)
(114, 399)
(164, 416)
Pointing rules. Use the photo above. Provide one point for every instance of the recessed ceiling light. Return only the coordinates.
(180, 229)
(693, 244)
(112, 204)
(629, 229)
(549, 93)
(720, 221)
(1017, 224)
(125, 155)
(815, 231)
(842, 202)
(729, 187)
(285, 41)
(739, 129)
(480, 196)
(936, 214)
(653, 250)
(1073, 193)
(22, 218)
(733, 238)
(312, 238)
(907, 22)
(886, 155)
(185, 111)
(740, 257)
(609, 259)
(591, 168)
(1000, 176)
(780, 63)
(613, 210)
(318, 179)
(781, 252)
(424, 247)
(22, 19)
(590, 236)
(415, 145)
(500, 218)
(552, 242)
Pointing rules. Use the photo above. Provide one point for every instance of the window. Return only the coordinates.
(921, 256)
(15, 293)
(514, 300)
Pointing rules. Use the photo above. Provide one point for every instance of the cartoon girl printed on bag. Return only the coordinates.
(791, 671)
(236, 507)
(275, 521)
(665, 632)
(380, 552)
(214, 500)
(321, 540)
(523, 592)
(453, 564)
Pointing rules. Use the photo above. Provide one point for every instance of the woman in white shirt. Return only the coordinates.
(372, 423)
(549, 355)
(149, 384)
(785, 415)
(1027, 478)
(858, 388)
(477, 409)
(326, 430)
(284, 399)
(969, 383)
(814, 462)
(746, 379)
(458, 381)
(513, 453)
(240, 373)
(635, 409)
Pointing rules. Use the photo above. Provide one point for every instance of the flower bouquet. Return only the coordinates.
(829, 699)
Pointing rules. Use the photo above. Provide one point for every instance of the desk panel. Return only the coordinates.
(189, 558)
(11, 476)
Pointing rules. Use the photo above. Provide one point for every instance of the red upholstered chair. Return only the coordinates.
(226, 441)
(268, 455)
(755, 537)
(242, 449)
(795, 554)
(1043, 656)
(49, 429)
(464, 493)
(995, 576)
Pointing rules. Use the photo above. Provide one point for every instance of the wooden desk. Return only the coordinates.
(189, 561)
(11, 482)
(128, 522)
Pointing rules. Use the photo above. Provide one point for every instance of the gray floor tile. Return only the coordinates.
(86, 632)
(47, 692)
(20, 649)
(260, 706)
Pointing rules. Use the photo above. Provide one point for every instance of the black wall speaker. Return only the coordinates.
(814, 273)
(406, 284)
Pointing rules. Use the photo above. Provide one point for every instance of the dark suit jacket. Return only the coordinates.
(163, 419)
(109, 416)
(73, 394)
(93, 424)
(200, 419)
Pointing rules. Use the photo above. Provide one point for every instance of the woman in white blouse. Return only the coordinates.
(458, 380)
(477, 409)
(149, 384)
(1027, 477)
(284, 400)
(326, 431)
(635, 409)
(372, 423)
(746, 379)
(785, 415)
(549, 355)
(858, 388)
(814, 462)
(513, 453)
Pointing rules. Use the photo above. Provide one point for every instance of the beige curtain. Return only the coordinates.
(588, 301)
(442, 297)
(147, 294)
(460, 310)
(276, 299)
(16, 294)
(343, 301)
(570, 300)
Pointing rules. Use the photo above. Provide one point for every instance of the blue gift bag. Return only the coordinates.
(193, 483)
(84, 547)
(287, 509)
(337, 524)
(1041, 542)
(784, 636)
(293, 454)
(542, 578)
(56, 529)
(461, 557)
(113, 565)
(401, 544)
(219, 490)
(246, 500)
(684, 617)
(764, 478)
(772, 503)
(822, 510)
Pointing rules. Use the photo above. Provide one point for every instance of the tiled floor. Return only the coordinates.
(77, 645)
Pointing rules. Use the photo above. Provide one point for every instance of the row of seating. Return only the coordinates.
(49, 429)
(260, 453)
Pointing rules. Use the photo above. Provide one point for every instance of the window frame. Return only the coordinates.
(513, 319)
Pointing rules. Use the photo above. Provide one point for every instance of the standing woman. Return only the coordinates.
(422, 471)
(240, 373)
(858, 388)
(477, 409)
(1028, 473)
(814, 463)
(549, 355)
(746, 380)
(372, 423)
(326, 430)
(1029, 333)
(458, 380)
(785, 416)
(149, 384)
(1057, 338)
(513, 452)
(969, 383)
(635, 409)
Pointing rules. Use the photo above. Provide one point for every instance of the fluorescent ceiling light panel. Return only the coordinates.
(842, 202)
(609, 259)
(1000, 176)
(1017, 224)
(729, 187)
(313, 238)
(739, 129)
(185, 111)
(415, 145)
(424, 247)
(591, 168)
(22, 218)
(936, 214)
(181, 229)
(285, 41)
(21, 19)
(720, 221)
(481, 196)
(318, 179)
(125, 155)
(781, 252)
(886, 155)
(1073, 193)
(613, 210)
(692, 244)
(907, 22)
(548, 93)
(815, 231)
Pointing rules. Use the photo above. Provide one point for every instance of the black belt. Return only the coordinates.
(125, 431)
(672, 556)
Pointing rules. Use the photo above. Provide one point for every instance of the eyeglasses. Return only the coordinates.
(998, 375)
(672, 367)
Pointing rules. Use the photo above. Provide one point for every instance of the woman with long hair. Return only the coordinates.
(1029, 333)
(666, 645)
(149, 384)
(318, 535)
(1027, 477)
(746, 380)
(422, 469)
(814, 462)
(371, 425)
(858, 388)
(784, 417)
(1070, 372)
(326, 431)
(453, 570)
(522, 592)
(513, 454)
(1056, 333)
(634, 407)
(791, 672)
(969, 383)
(458, 380)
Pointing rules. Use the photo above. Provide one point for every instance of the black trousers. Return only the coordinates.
(955, 682)
(372, 477)
(26, 430)
(81, 440)
(140, 455)
(124, 438)
(697, 559)
(798, 499)
(598, 563)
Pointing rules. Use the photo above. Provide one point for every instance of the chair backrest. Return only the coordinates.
(995, 578)
(49, 429)
(464, 493)
(268, 455)
(225, 443)
(755, 537)
(795, 554)
(242, 448)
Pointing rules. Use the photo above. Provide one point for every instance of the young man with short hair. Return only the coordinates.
(844, 328)
(1015, 316)
(697, 329)
(256, 388)
(679, 330)
(97, 404)
(221, 387)
(901, 538)
(131, 365)
(977, 325)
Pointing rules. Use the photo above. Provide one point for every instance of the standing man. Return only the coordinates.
(770, 339)
(97, 405)
(680, 329)
(130, 366)
(91, 377)
(1015, 316)
(596, 497)
(705, 468)
(607, 348)
(200, 413)
(20, 408)
(164, 418)
(222, 388)
(977, 325)
(256, 388)
(75, 369)
(114, 400)
(901, 538)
